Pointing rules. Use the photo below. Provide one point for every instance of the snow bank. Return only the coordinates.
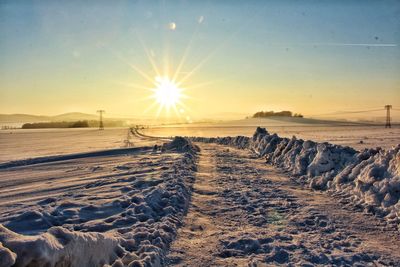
(133, 229)
(60, 247)
(180, 144)
(369, 178)
(7, 256)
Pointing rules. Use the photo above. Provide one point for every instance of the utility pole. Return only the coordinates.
(101, 125)
(388, 124)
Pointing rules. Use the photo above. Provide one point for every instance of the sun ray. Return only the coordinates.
(184, 106)
(150, 107)
(199, 85)
(167, 97)
(185, 55)
(187, 50)
(132, 85)
(160, 108)
(215, 50)
(139, 71)
(176, 111)
(166, 92)
(198, 66)
(149, 56)
(166, 60)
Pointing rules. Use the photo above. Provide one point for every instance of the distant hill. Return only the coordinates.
(23, 118)
(74, 116)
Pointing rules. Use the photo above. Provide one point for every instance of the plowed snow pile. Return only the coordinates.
(369, 178)
(122, 219)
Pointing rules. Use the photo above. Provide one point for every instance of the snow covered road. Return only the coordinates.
(246, 213)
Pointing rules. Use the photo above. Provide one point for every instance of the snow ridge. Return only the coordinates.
(370, 178)
(138, 235)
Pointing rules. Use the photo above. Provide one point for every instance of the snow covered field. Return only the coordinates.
(356, 136)
(115, 209)
(21, 144)
(240, 201)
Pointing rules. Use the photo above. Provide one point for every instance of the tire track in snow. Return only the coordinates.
(246, 213)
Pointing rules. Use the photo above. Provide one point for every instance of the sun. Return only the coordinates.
(166, 92)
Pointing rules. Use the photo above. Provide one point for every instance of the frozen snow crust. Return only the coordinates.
(369, 178)
(138, 231)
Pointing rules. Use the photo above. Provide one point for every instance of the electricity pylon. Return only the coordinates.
(388, 124)
(101, 125)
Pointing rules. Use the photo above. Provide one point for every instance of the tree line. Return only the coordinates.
(265, 114)
(71, 124)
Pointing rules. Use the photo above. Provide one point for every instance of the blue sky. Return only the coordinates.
(306, 56)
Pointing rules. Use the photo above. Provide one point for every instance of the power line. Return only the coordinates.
(349, 112)
(122, 115)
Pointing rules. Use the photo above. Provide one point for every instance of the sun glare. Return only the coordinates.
(166, 93)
